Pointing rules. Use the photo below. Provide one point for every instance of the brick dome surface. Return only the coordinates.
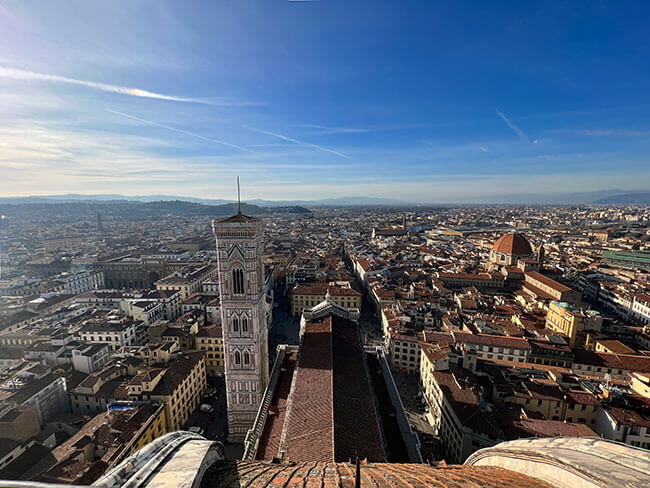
(513, 244)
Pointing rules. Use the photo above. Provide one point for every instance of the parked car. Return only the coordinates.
(205, 408)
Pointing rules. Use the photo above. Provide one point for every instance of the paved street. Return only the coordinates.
(369, 323)
(215, 424)
(285, 329)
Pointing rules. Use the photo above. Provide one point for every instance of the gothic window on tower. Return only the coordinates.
(244, 324)
(235, 324)
(237, 358)
(238, 281)
(247, 359)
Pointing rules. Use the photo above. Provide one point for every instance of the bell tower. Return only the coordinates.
(240, 253)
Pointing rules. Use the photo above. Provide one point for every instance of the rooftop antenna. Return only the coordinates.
(238, 198)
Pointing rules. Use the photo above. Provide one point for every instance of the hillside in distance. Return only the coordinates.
(130, 210)
(635, 198)
(326, 202)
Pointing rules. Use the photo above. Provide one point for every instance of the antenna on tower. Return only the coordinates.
(238, 198)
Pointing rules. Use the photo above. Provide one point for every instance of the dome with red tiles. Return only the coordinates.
(513, 244)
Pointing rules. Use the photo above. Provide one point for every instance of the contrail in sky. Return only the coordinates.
(296, 141)
(180, 131)
(522, 135)
(21, 74)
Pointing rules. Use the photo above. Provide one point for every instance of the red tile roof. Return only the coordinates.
(331, 414)
(545, 280)
(492, 340)
(310, 429)
(515, 244)
(626, 362)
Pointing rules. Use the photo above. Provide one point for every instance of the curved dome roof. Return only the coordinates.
(258, 474)
(515, 244)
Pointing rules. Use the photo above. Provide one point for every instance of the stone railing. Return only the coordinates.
(254, 434)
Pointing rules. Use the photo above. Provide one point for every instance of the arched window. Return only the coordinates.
(238, 281)
(235, 324)
(247, 358)
(237, 358)
(244, 324)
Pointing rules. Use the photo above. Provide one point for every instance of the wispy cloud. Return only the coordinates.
(20, 74)
(322, 129)
(522, 135)
(180, 131)
(318, 129)
(613, 132)
(483, 149)
(297, 141)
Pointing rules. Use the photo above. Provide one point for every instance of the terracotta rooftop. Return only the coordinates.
(310, 429)
(492, 340)
(255, 474)
(545, 280)
(331, 413)
(515, 244)
(615, 346)
(625, 362)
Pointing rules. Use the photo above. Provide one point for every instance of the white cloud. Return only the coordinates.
(20, 74)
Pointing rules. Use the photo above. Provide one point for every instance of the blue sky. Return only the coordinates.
(427, 101)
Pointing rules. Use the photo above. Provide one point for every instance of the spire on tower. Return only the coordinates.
(238, 198)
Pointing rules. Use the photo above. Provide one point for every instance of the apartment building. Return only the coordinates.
(572, 322)
(641, 308)
(180, 388)
(308, 295)
(116, 333)
(495, 347)
(210, 340)
(89, 358)
(188, 280)
(623, 424)
(146, 311)
(465, 422)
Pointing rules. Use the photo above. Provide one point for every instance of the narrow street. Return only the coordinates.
(285, 328)
(369, 323)
(214, 424)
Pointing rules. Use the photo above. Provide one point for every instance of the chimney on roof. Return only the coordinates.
(238, 198)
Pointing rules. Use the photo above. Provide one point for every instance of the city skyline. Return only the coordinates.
(308, 100)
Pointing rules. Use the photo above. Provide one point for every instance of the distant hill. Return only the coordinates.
(129, 210)
(573, 198)
(75, 197)
(334, 202)
(636, 198)
(605, 197)
(328, 202)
